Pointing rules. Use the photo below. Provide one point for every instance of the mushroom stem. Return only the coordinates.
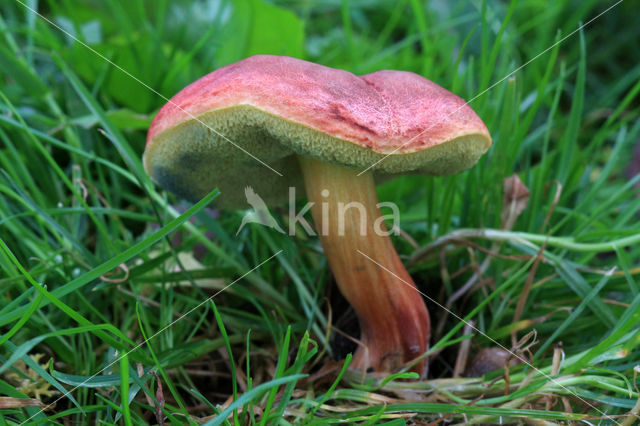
(394, 322)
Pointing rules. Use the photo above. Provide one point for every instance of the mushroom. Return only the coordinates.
(278, 124)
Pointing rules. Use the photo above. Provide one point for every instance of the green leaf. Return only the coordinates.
(257, 27)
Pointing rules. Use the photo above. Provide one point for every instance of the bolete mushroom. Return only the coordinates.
(319, 127)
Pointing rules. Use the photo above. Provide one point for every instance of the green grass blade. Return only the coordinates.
(109, 265)
(252, 395)
(124, 389)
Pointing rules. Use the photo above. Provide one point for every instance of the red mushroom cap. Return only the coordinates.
(276, 107)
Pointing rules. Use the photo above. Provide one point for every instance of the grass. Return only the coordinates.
(122, 304)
